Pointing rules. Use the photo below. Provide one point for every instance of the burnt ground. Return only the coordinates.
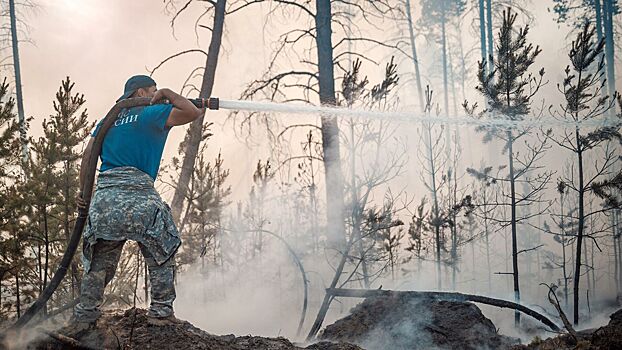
(393, 322)
(402, 322)
(608, 337)
(123, 330)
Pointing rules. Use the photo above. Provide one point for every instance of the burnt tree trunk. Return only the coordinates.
(489, 35)
(609, 48)
(413, 47)
(18, 303)
(599, 34)
(444, 51)
(194, 134)
(577, 270)
(513, 224)
(482, 31)
(18, 83)
(330, 147)
(330, 128)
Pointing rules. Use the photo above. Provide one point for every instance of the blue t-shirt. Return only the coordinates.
(136, 139)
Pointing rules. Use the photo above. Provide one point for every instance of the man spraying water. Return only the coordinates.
(126, 205)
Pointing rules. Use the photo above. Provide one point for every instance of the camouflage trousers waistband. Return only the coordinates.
(126, 177)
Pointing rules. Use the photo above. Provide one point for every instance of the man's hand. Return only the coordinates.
(82, 204)
(161, 94)
(184, 111)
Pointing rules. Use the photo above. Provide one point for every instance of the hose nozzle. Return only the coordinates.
(212, 103)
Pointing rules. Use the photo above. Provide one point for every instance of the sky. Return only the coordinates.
(99, 44)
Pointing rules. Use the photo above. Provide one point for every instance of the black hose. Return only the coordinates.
(87, 191)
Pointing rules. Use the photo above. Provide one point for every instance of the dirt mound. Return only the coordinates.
(130, 330)
(402, 322)
(608, 337)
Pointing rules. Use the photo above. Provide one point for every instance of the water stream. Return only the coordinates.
(411, 117)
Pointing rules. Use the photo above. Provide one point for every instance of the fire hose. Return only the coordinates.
(87, 191)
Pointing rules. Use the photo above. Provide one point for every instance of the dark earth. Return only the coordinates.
(402, 322)
(608, 337)
(389, 322)
(124, 330)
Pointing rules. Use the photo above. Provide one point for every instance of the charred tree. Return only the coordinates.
(18, 83)
(582, 92)
(601, 13)
(433, 163)
(415, 59)
(436, 17)
(509, 87)
(195, 133)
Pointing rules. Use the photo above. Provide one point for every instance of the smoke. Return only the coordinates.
(261, 296)
(16, 340)
(403, 334)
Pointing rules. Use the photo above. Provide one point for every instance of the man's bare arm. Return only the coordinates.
(183, 112)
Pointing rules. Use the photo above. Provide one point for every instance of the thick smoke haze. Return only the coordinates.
(100, 44)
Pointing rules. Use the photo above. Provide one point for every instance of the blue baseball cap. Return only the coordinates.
(134, 83)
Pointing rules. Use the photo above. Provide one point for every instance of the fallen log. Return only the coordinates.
(448, 296)
(67, 342)
(555, 302)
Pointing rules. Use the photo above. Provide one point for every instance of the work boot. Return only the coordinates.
(163, 321)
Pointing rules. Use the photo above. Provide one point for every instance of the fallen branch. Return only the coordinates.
(449, 296)
(68, 342)
(555, 302)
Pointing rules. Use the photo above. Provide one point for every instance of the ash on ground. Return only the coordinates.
(390, 322)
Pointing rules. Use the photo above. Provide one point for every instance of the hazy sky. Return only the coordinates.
(99, 44)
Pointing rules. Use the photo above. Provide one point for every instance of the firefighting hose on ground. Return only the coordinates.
(235, 105)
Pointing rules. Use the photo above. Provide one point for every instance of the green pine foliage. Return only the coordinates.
(38, 200)
(610, 190)
(582, 88)
(13, 258)
(509, 86)
(201, 226)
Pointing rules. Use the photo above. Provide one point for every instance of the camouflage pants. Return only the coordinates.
(106, 256)
(126, 206)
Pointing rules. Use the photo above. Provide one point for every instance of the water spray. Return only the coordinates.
(495, 120)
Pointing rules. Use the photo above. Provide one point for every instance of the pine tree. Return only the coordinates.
(53, 184)
(209, 198)
(68, 128)
(418, 231)
(601, 13)
(435, 17)
(13, 262)
(582, 89)
(508, 87)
